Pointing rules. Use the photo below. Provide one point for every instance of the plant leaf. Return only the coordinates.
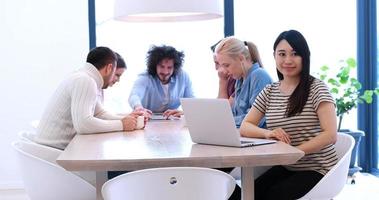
(322, 76)
(324, 68)
(351, 62)
(333, 82)
(334, 90)
(367, 96)
(355, 83)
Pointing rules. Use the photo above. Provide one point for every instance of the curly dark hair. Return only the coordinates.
(158, 53)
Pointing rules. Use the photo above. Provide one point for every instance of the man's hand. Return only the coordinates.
(140, 113)
(129, 122)
(146, 112)
(174, 113)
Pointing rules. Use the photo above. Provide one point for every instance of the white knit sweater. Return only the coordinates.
(75, 109)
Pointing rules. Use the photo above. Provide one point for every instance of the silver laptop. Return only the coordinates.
(210, 121)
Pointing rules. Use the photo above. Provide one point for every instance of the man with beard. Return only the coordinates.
(160, 88)
(75, 107)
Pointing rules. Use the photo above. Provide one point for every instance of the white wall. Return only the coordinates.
(40, 42)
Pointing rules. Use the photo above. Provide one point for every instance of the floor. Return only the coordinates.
(366, 187)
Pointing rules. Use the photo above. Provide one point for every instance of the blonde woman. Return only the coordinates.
(242, 62)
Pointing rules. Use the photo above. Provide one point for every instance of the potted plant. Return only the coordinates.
(347, 92)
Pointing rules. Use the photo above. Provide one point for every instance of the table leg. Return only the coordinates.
(101, 178)
(247, 183)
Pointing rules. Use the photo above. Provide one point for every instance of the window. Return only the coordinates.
(319, 21)
(133, 40)
(329, 27)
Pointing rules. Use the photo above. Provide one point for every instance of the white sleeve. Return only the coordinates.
(83, 105)
(101, 113)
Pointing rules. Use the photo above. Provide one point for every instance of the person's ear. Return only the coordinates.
(241, 57)
(109, 68)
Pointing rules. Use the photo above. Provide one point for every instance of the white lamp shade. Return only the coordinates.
(167, 10)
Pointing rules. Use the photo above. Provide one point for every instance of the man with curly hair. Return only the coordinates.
(159, 89)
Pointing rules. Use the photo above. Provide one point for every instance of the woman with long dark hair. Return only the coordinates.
(300, 111)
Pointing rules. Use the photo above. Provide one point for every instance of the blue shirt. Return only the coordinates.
(246, 92)
(148, 92)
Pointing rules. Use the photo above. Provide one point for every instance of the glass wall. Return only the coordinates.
(133, 40)
(329, 27)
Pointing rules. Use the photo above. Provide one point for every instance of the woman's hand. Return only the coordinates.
(222, 74)
(279, 134)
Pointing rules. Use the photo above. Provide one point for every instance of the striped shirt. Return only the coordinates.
(301, 127)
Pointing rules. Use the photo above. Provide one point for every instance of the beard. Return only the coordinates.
(107, 81)
(164, 78)
(105, 86)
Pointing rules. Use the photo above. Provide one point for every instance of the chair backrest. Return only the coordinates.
(45, 180)
(43, 152)
(333, 182)
(171, 183)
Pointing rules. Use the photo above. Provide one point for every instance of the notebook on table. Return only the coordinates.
(210, 121)
(159, 116)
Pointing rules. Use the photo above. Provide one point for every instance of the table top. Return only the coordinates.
(165, 144)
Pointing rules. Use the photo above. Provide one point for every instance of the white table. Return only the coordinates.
(167, 144)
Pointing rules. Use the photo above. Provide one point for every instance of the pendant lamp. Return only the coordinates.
(167, 10)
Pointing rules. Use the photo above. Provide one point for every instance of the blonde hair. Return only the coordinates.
(233, 47)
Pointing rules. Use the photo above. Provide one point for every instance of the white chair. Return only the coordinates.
(51, 154)
(171, 183)
(34, 124)
(26, 135)
(44, 179)
(333, 182)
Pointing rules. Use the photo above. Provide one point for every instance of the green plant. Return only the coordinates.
(346, 90)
